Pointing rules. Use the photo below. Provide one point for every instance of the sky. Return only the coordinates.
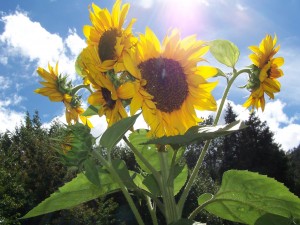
(34, 33)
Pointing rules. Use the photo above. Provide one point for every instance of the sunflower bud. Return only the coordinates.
(76, 144)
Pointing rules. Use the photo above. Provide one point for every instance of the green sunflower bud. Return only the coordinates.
(76, 144)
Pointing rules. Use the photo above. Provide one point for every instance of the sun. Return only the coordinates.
(183, 14)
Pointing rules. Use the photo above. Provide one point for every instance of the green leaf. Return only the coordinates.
(220, 74)
(245, 197)
(151, 184)
(225, 52)
(149, 151)
(75, 192)
(271, 219)
(115, 133)
(181, 174)
(123, 172)
(91, 111)
(199, 133)
(187, 222)
(91, 172)
(204, 198)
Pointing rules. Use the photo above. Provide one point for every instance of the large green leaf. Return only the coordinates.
(91, 111)
(246, 196)
(271, 219)
(225, 52)
(181, 174)
(199, 133)
(115, 133)
(91, 171)
(75, 192)
(121, 169)
(149, 151)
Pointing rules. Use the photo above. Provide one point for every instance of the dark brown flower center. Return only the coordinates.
(110, 103)
(106, 47)
(166, 81)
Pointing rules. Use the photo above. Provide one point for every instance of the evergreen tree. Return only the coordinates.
(30, 170)
(294, 170)
(230, 144)
(254, 149)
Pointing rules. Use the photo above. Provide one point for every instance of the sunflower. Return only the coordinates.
(73, 112)
(108, 37)
(55, 87)
(107, 96)
(265, 71)
(169, 84)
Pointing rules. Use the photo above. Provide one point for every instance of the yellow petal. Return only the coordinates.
(126, 91)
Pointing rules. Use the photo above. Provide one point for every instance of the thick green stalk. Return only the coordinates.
(145, 161)
(167, 190)
(152, 210)
(207, 143)
(116, 178)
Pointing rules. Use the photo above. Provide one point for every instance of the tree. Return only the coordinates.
(254, 149)
(30, 170)
(294, 170)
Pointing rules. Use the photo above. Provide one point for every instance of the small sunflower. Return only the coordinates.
(108, 37)
(169, 84)
(264, 72)
(74, 111)
(57, 89)
(55, 86)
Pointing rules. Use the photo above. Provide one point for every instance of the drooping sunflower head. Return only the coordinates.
(108, 36)
(56, 87)
(74, 144)
(264, 72)
(75, 111)
(170, 85)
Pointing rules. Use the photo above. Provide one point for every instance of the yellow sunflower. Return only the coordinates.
(108, 37)
(265, 71)
(55, 87)
(169, 84)
(74, 112)
(106, 96)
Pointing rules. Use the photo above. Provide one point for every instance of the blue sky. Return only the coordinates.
(35, 32)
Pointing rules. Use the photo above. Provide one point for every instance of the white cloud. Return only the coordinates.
(9, 119)
(74, 42)
(24, 37)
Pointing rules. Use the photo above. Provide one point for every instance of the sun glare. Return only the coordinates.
(184, 14)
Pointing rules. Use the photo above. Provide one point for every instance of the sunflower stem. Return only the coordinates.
(78, 87)
(167, 190)
(152, 210)
(207, 143)
(123, 188)
(142, 158)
